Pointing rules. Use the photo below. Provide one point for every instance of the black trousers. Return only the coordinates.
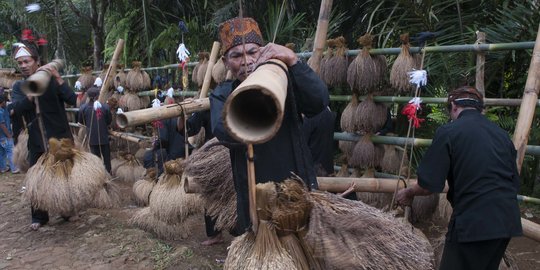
(38, 215)
(103, 151)
(480, 255)
(210, 223)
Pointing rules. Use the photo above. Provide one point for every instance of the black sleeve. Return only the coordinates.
(435, 165)
(80, 115)
(20, 102)
(310, 92)
(65, 93)
(217, 102)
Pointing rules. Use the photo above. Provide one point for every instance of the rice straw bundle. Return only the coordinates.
(344, 170)
(325, 70)
(109, 196)
(366, 72)
(8, 77)
(365, 155)
(239, 250)
(143, 187)
(292, 207)
(444, 209)
(392, 160)
(347, 120)
(168, 201)
(86, 78)
(20, 152)
(137, 79)
(210, 168)
(65, 180)
(139, 155)
(202, 66)
(338, 64)
(103, 72)
(144, 101)
(130, 102)
(131, 170)
(347, 234)
(405, 62)
(268, 252)
(219, 72)
(120, 78)
(370, 117)
(423, 207)
(145, 220)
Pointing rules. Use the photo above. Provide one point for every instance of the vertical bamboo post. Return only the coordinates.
(208, 76)
(480, 63)
(320, 35)
(112, 68)
(252, 191)
(528, 104)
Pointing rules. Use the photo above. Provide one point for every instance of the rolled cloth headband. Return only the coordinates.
(22, 50)
(232, 31)
(467, 97)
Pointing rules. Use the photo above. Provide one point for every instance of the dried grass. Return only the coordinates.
(404, 63)
(370, 117)
(143, 187)
(444, 209)
(219, 72)
(9, 77)
(391, 160)
(120, 79)
(338, 64)
(366, 72)
(347, 147)
(109, 196)
(131, 170)
(324, 69)
(202, 67)
(364, 154)
(20, 152)
(423, 207)
(145, 220)
(130, 102)
(347, 234)
(86, 78)
(347, 121)
(239, 250)
(137, 79)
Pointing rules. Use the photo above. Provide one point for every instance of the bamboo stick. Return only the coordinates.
(208, 75)
(480, 62)
(112, 68)
(529, 100)
(530, 229)
(320, 35)
(176, 93)
(363, 184)
(528, 199)
(139, 117)
(126, 136)
(252, 189)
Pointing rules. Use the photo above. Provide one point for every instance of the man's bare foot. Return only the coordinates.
(218, 239)
(35, 226)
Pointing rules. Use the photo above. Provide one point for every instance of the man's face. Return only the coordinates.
(27, 65)
(241, 60)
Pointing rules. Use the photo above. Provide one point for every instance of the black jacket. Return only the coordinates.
(97, 128)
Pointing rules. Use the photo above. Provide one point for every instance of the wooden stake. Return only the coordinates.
(320, 35)
(252, 185)
(112, 68)
(208, 76)
(480, 63)
(528, 104)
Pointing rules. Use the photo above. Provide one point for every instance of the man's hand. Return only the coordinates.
(275, 51)
(54, 73)
(404, 197)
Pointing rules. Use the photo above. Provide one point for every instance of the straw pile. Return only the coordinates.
(370, 117)
(145, 220)
(209, 167)
(347, 234)
(366, 72)
(8, 77)
(365, 154)
(65, 180)
(20, 152)
(129, 171)
(219, 72)
(404, 63)
(324, 69)
(137, 79)
(337, 64)
(143, 187)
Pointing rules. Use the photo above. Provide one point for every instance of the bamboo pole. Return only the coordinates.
(528, 199)
(139, 117)
(252, 189)
(127, 137)
(320, 35)
(530, 229)
(112, 68)
(176, 93)
(480, 63)
(430, 100)
(363, 184)
(208, 76)
(528, 104)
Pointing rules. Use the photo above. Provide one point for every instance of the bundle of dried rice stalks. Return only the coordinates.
(120, 78)
(145, 101)
(405, 62)
(366, 72)
(370, 117)
(20, 152)
(219, 72)
(130, 102)
(347, 147)
(201, 68)
(423, 207)
(444, 209)
(338, 64)
(347, 234)
(391, 160)
(210, 168)
(86, 78)
(324, 69)
(65, 180)
(143, 187)
(365, 154)
(137, 79)
(8, 77)
(110, 196)
(129, 171)
(347, 120)
(145, 220)
(168, 201)
(139, 155)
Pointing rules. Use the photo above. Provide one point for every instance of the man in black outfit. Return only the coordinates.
(479, 161)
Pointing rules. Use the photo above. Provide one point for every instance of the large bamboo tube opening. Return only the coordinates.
(37, 83)
(254, 111)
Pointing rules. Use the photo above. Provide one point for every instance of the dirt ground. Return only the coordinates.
(103, 239)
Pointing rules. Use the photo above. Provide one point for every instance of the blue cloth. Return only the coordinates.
(6, 153)
(4, 119)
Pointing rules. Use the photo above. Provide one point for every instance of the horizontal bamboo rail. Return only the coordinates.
(511, 102)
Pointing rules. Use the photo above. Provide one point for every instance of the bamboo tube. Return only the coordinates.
(126, 137)
(529, 100)
(528, 199)
(208, 75)
(480, 62)
(252, 189)
(143, 116)
(530, 229)
(320, 35)
(176, 93)
(363, 184)
(112, 70)
(37, 83)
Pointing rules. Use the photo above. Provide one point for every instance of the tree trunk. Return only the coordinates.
(60, 52)
(99, 46)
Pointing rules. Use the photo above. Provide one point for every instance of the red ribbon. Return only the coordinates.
(27, 35)
(99, 114)
(410, 111)
(157, 124)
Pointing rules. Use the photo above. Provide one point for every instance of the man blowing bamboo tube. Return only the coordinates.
(287, 151)
(479, 161)
(52, 110)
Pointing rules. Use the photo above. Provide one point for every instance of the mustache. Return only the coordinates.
(246, 69)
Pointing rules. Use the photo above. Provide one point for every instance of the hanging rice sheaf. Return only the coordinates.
(347, 120)
(219, 72)
(20, 152)
(131, 170)
(130, 102)
(137, 79)
(65, 180)
(197, 140)
(405, 62)
(325, 70)
(378, 240)
(423, 207)
(169, 202)
(209, 167)
(391, 160)
(8, 77)
(103, 72)
(444, 209)
(366, 72)
(203, 66)
(120, 78)
(347, 148)
(338, 64)
(143, 187)
(86, 78)
(370, 117)
(365, 154)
